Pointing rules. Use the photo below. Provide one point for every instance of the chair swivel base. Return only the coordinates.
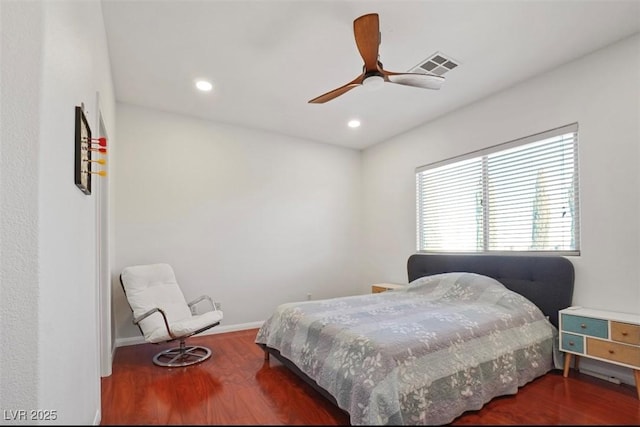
(182, 356)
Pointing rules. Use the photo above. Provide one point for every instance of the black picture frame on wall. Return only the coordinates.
(82, 172)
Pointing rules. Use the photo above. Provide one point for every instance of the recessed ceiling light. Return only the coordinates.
(204, 85)
(354, 123)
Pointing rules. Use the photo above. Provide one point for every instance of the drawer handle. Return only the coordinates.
(624, 334)
(611, 351)
(571, 343)
(583, 326)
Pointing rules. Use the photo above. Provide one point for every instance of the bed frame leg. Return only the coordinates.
(266, 356)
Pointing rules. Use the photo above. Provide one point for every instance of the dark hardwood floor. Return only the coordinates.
(236, 386)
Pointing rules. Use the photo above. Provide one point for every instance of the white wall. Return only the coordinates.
(603, 99)
(251, 218)
(20, 90)
(57, 59)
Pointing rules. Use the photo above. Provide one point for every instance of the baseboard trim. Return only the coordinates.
(123, 342)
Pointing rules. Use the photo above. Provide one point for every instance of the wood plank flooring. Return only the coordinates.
(237, 387)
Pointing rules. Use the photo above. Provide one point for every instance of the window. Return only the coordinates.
(519, 196)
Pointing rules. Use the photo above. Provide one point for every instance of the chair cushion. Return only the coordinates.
(155, 286)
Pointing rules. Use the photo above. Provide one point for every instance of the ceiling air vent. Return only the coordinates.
(437, 64)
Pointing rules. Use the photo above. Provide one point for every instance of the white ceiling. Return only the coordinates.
(268, 58)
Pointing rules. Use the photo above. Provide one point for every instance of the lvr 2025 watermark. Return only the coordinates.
(29, 415)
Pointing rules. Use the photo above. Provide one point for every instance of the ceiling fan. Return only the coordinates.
(366, 30)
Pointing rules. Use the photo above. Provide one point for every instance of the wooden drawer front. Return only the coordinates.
(622, 353)
(573, 343)
(625, 332)
(585, 325)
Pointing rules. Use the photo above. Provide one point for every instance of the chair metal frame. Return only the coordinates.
(183, 355)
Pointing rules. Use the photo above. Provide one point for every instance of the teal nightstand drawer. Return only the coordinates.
(570, 342)
(585, 325)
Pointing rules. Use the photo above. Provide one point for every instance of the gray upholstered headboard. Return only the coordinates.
(547, 281)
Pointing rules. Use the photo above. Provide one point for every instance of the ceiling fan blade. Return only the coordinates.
(337, 92)
(425, 81)
(366, 30)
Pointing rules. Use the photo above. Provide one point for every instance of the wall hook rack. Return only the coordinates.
(85, 145)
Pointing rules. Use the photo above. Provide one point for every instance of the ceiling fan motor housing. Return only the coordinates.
(373, 81)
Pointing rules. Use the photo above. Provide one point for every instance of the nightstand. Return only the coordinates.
(382, 287)
(608, 336)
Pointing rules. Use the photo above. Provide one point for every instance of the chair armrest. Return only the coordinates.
(164, 317)
(192, 304)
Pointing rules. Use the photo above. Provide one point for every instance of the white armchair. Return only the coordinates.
(163, 315)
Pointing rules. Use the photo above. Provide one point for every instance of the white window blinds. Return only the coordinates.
(517, 196)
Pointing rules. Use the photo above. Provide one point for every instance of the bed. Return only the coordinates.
(466, 329)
